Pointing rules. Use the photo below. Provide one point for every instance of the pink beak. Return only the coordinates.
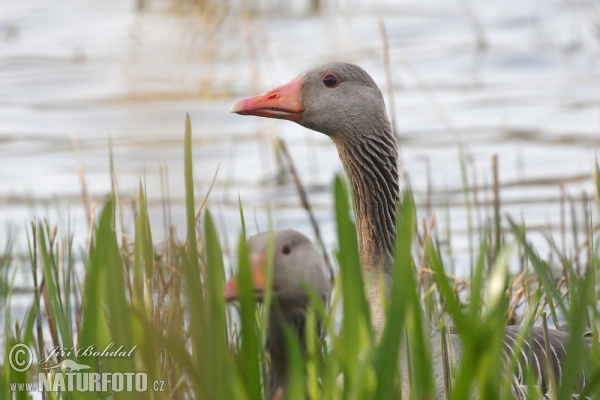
(259, 278)
(282, 102)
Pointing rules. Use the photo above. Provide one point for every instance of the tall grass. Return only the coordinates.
(165, 301)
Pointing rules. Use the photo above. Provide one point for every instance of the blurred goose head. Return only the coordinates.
(296, 267)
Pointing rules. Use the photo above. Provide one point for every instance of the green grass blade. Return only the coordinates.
(540, 267)
(147, 248)
(191, 264)
(388, 351)
(107, 255)
(249, 354)
(356, 324)
(59, 319)
(216, 357)
(452, 303)
(296, 388)
(189, 196)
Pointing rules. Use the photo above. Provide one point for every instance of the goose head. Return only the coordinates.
(338, 99)
(296, 265)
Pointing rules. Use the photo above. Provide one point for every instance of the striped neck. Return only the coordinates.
(371, 164)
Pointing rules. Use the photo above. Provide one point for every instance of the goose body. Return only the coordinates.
(343, 102)
(532, 355)
(296, 263)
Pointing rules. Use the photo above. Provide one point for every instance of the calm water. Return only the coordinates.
(76, 75)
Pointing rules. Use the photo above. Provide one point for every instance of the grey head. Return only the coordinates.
(352, 103)
(338, 99)
(296, 265)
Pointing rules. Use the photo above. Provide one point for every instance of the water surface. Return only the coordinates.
(76, 76)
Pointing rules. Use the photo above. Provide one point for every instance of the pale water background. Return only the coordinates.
(79, 74)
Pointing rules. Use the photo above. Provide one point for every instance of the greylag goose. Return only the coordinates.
(296, 263)
(360, 129)
(342, 101)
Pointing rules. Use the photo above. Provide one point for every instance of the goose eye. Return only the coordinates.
(286, 249)
(330, 81)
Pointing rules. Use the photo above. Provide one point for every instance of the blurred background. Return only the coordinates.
(465, 81)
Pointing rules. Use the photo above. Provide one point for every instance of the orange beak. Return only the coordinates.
(259, 279)
(282, 103)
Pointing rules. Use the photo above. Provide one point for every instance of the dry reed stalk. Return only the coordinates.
(463, 283)
(203, 202)
(255, 78)
(306, 205)
(563, 235)
(426, 236)
(429, 186)
(445, 332)
(574, 230)
(497, 226)
(81, 172)
(162, 170)
(524, 183)
(476, 202)
(475, 25)
(388, 76)
(91, 216)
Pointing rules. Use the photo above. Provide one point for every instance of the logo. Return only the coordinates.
(71, 376)
(70, 366)
(20, 357)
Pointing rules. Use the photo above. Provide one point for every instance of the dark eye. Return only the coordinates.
(286, 249)
(330, 81)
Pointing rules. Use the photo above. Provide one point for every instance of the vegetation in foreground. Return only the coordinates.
(166, 302)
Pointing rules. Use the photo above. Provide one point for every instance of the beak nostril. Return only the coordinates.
(282, 103)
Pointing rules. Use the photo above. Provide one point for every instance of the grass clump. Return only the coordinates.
(165, 302)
